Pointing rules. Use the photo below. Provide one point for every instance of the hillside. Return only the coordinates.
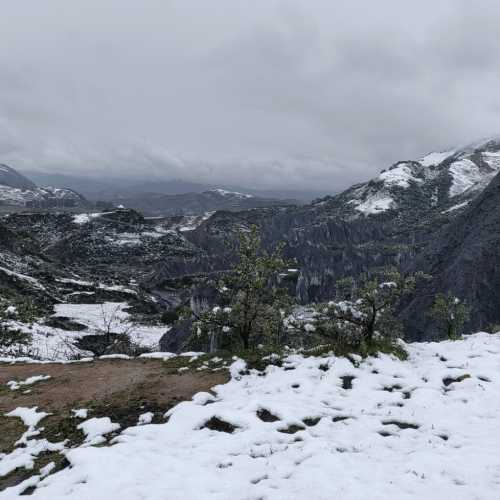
(18, 191)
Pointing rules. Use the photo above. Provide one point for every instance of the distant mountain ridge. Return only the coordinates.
(197, 203)
(104, 188)
(18, 191)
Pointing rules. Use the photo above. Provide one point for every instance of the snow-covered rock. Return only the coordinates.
(15, 189)
(465, 172)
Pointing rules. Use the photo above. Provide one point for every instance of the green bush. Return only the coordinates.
(252, 304)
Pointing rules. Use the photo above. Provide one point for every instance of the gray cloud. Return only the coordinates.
(267, 93)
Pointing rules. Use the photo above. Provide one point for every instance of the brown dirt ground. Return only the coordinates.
(119, 389)
(115, 382)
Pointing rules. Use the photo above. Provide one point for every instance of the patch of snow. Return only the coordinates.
(202, 398)
(118, 288)
(374, 204)
(95, 429)
(24, 457)
(29, 416)
(56, 344)
(15, 385)
(466, 175)
(191, 222)
(158, 355)
(492, 158)
(456, 207)
(432, 159)
(237, 368)
(45, 471)
(80, 413)
(235, 194)
(74, 282)
(87, 217)
(114, 356)
(401, 176)
(100, 317)
(145, 418)
(191, 354)
(11, 311)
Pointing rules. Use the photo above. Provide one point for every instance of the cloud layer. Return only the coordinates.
(266, 93)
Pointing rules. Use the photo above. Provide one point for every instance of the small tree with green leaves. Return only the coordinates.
(450, 313)
(252, 304)
(364, 308)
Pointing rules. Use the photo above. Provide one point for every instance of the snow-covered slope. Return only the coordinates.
(17, 190)
(316, 428)
(229, 194)
(445, 179)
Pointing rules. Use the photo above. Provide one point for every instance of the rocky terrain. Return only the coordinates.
(413, 215)
(438, 214)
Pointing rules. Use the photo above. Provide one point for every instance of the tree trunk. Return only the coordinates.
(370, 327)
(246, 340)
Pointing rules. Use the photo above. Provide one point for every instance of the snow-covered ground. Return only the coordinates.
(401, 176)
(374, 203)
(49, 343)
(316, 428)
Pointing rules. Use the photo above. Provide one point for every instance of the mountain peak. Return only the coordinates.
(438, 180)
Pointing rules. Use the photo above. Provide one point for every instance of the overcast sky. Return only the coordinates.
(263, 93)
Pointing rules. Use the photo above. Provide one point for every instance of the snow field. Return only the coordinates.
(316, 428)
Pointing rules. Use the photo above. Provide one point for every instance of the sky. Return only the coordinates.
(281, 94)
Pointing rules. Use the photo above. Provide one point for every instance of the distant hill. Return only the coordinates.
(16, 190)
(197, 203)
(108, 188)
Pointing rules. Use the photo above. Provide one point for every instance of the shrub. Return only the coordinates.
(252, 304)
(363, 312)
(450, 313)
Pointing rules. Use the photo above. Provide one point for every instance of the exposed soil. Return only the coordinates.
(119, 389)
(110, 382)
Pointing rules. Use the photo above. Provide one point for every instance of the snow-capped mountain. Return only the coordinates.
(446, 180)
(17, 190)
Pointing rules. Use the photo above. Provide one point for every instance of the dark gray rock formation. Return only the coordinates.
(463, 258)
